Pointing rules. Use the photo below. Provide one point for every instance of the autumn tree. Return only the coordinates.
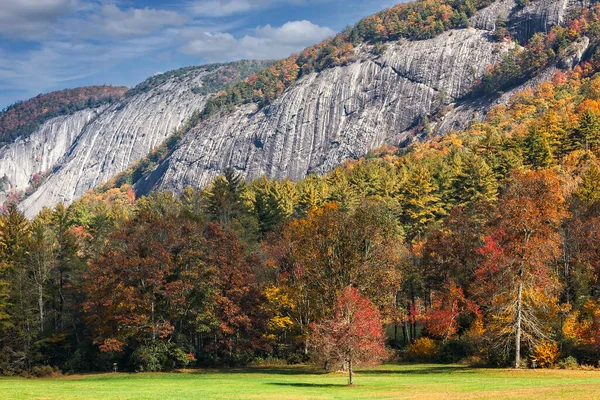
(516, 280)
(354, 335)
(323, 253)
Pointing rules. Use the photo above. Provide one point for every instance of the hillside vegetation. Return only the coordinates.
(23, 118)
(479, 246)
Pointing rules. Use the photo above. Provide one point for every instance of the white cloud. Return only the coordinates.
(211, 46)
(32, 19)
(77, 39)
(117, 23)
(222, 8)
(266, 42)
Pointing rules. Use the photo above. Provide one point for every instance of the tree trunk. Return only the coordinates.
(153, 324)
(518, 326)
(41, 306)
(413, 323)
(350, 376)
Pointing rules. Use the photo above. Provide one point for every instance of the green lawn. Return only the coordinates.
(386, 382)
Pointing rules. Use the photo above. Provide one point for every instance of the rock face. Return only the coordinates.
(40, 152)
(323, 119)
(121, 135)
(344, 112)
(336, 114)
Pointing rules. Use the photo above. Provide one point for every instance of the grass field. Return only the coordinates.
(385, 382)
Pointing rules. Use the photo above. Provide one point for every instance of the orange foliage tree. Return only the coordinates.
(517, 283)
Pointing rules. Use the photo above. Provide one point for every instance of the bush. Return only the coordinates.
(269, 361)
(149, 358)
(455, 350)
(422, 349)
(568, 363)
(44, 371)
(160, 357)
(586, 353)
(545, 354)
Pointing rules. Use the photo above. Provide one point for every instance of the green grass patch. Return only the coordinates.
(300, 382)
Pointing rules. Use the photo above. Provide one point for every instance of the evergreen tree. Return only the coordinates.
(587, 134)
(475, 182)
(537, 149)
(420, 199)
(588, 190)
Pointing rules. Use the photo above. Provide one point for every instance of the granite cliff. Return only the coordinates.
(320, 120)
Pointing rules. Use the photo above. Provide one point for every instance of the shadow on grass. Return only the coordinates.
(270, 370)
(308, 385)
(418, 371)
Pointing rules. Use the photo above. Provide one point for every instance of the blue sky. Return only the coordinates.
(47, 45)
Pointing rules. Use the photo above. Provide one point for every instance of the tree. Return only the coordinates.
(355, 334)
(475, 182)
(538, 151)
(516, 280)
(320, 255)
(41, 263)
(420, 200)
(587, 134)
(227, 203)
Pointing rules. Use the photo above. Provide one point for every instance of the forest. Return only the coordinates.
(478, 246)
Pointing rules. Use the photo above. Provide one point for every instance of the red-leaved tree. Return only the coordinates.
(355, 335)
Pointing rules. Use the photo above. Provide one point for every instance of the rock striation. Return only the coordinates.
(122, 134)
(344, 112)
(323, 119)
(39, 153)
(333, 115)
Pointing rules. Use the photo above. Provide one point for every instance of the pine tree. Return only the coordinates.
(420, 199)
(537, 148)
(588, 190)
(475, 182)
(587, 134)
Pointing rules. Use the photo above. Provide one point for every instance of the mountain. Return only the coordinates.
(415, 70)
(379, 97)
(24, 118)
(82, 149)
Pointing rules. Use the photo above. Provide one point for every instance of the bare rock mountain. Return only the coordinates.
(321, 120)
(129, 129)
(344, 112)
(29, 158)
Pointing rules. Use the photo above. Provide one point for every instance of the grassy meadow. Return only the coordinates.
(300, 382)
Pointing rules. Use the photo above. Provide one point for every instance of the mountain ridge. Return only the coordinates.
(382, 93)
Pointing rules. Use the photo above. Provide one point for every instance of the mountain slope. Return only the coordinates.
(345, 111)
(24, 161)
(129, 129)
(24, 118)
(336, 114)
(337, 100)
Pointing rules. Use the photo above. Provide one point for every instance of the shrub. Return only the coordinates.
(568, 363)
(586, 353)
(152, 358)
(422, 349)
(455, 350)
(545, 354)
(44, 371)
(161, 357)
(269, 361)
